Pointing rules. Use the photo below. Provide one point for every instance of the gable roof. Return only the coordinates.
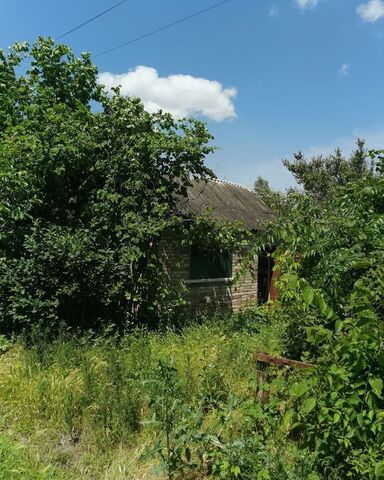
(227, 201)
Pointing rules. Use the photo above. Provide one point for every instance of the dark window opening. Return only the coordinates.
(264, 276)
(210, 264)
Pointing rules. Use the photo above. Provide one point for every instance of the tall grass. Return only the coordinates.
(17, 463)
(79, 402)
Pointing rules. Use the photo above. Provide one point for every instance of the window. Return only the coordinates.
(210, 265)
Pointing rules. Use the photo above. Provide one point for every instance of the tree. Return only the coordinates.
(279, 202)
(85, 193)
(264, 192)
(321, 176)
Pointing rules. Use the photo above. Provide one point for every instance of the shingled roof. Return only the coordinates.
(227, 202)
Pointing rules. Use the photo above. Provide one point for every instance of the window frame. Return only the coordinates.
(223, 280)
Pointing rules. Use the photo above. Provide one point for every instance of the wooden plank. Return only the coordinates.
(280, 361)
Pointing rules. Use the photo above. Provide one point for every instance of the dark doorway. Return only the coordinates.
(264, 275)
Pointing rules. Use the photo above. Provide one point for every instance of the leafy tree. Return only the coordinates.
(279, 202)
(264, 191)
(321, 176)
(331, 259)
(85, 193)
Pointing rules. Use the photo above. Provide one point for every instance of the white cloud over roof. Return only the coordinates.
(181, 95)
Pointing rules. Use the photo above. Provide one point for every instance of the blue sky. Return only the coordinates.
(270, 77)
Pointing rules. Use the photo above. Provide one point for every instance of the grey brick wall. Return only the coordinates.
(205, 297)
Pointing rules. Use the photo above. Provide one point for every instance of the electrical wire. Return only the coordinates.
(90, 20)
(160, 29)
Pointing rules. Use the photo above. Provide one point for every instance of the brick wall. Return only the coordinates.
(205, 297)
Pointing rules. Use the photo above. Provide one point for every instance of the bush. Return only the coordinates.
(340, 407)
(332, 286)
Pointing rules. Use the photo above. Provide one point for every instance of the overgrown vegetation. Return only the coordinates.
(319, 177)
(98, 407)
(84, 198)
(331, 256)
(86, 193)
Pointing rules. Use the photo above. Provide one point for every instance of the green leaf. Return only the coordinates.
(151, 422)
(320, 303)
(235, 469)
(287, 419)
(263, 474)
(379, 469)
(308, 295)
(336, 417)
(298, 389)
(317, 334)
(292, 281)
(360, 420)
(308, 405)
(338, 326)
(377, 386)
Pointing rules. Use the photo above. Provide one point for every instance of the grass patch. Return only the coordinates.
(79, 403)
(17, 462)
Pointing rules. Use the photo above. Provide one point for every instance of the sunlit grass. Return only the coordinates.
(78, 403)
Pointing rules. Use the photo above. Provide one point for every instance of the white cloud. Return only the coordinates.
(344, 69)
(307, 3)
(181, 95)
(371, 11)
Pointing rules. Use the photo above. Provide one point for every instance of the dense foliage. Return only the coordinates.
(320, 177)
(85, 194)
(332, 301)
(87, 186)
(333, 246)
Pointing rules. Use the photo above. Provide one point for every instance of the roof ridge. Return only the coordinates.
(219, 180)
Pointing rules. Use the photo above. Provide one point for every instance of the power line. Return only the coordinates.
(91, 19)
(160, 29)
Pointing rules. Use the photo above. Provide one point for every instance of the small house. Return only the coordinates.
(208, 278)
